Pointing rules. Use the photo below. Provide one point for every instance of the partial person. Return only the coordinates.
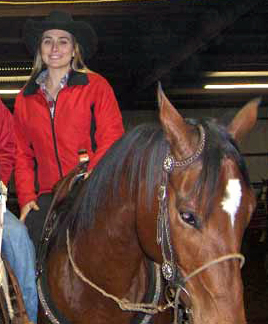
(17, 248)
(63, 108)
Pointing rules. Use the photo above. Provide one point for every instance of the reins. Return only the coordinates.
(124, 304)
(149, 308)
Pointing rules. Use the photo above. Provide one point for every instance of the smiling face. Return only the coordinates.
(57, 49)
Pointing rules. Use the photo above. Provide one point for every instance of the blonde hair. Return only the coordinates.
(77, 63)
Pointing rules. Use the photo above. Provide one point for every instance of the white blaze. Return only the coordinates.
(232, 198)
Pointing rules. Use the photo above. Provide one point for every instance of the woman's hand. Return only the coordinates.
(87, 174)
(26, 208)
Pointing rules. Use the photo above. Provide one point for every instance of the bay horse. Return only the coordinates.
(157, 226)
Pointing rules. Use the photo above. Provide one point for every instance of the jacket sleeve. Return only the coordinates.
(24, 164)
(108, 118)
(7, 144)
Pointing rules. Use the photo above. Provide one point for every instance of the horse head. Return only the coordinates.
(205, 204)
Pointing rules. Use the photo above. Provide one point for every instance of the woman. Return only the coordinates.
(62, 109)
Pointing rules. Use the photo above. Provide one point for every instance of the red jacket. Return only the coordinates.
(86, 116)
(7, 143)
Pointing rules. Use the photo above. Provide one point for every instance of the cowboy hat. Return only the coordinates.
(82, 31)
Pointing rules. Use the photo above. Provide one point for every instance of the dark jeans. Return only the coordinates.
(36, 218)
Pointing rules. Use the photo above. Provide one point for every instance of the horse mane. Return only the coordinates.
(137, 157)
(137, 153)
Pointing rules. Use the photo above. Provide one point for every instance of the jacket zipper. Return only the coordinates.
(54, 139)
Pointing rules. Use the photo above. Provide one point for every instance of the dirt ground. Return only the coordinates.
(255, 277)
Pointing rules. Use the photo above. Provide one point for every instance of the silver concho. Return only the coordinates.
(168, 271)
(168, 163)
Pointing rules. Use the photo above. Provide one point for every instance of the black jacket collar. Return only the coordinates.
(75, 78)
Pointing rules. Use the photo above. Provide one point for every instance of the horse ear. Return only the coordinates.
(167, 111)
(173, 124)
(244, 120)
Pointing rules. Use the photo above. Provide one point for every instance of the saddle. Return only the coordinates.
(63, 191)
(64, 186)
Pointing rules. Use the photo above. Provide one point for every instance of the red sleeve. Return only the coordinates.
(24, 166)
(7, 143)
(109, 124)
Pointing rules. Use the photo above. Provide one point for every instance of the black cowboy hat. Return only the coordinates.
(82, 31)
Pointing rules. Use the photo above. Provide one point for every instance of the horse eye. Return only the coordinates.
(188, 218)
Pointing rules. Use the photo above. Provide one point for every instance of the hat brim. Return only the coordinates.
(82, 31)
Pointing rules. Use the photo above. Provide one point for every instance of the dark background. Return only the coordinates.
(179, 43)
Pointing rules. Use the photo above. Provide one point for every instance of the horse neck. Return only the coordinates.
(111, 244)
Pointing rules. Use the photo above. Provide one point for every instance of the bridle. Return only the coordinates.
(170, 270)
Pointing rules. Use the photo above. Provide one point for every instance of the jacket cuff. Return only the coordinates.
(25, 199)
